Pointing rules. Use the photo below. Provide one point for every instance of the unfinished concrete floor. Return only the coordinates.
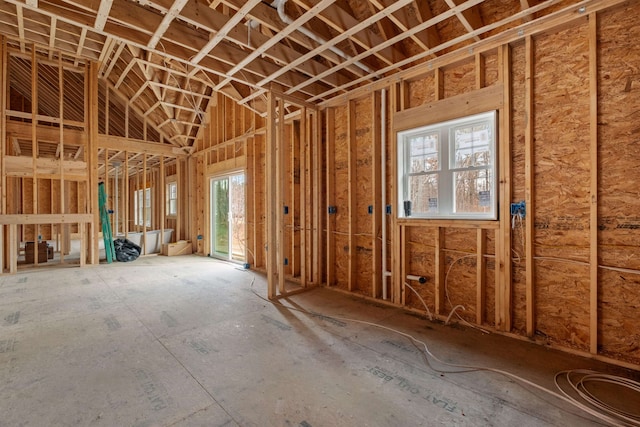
(183, 341)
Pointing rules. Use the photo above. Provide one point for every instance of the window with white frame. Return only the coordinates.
(172, 199)
(448, 169)
(142, 207)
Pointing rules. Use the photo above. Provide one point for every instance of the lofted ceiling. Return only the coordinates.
(167, 58)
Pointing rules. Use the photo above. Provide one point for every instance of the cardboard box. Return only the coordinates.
(183, 247)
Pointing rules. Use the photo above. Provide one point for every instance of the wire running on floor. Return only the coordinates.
(582, 398)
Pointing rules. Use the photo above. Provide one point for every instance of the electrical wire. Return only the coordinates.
(420, 297)
(591, 405)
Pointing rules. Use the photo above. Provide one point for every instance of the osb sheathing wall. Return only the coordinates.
(569, 273)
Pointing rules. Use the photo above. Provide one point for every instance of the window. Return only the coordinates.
(142, 207)
(172, 199)
(448, 170)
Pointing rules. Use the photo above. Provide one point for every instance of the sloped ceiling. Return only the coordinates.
(166, 58)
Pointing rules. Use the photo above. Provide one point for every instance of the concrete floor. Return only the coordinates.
(183, 341)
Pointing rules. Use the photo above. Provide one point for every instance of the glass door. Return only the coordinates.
(228, 217)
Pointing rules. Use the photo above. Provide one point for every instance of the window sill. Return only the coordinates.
(452, 223)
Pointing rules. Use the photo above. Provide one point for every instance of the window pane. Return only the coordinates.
(423, 153)
(423, 193)
(473, 191)
(173, 207)
(472, 145)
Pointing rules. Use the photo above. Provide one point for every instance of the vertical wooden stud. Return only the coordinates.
(303, 174)
(439, 84)
(503, 245)
(163, 199)
(270, 178)
(593, 213)
(125, 189)
(529, 188)
(331, 219)
(280, 192)
(92, 150)
(480, 71)
(481, 274)
(352, 177)
(317, 208)
(376, 180)
(144, 204)
(439, 273)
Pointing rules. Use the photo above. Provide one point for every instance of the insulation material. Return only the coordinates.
(460, 78)
(619, 174)
(561, 182)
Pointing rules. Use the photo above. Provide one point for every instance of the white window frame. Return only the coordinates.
(172, 212)
(142, 209)
(444, 172)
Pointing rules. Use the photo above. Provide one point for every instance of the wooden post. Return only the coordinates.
(61, 158)
(272, 270)
(317, 208)
(396, 239)
(145, 248)
(125, 191)
(13, 248)
(593, 213)
(352, 177)
(163, 200)
(92, 150)
(439, 273)
(481, 274)
(34, 146)
(503, 244)
(331, 219)
(280, 192)
(529, 175)
(303, 174)
(376, 180)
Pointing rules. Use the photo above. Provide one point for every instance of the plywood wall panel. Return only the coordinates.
(562, 298)
(363, 265)
(460, 78)
(619, 173)
(422, 91)
(364, 165)
(490, 68)
(421, 262)
(341, 168)
(561, 182)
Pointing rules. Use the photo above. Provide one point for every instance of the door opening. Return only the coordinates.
(228, 217)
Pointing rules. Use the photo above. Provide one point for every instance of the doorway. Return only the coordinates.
(228, 217)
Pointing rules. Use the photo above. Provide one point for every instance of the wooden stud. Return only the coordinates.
(303, 174)
(593, 213)
(61, 157)
(34, 144)
(280, 193)
(481, 274)
(125, 188)
(13, 249)
(331, 219)
(163, 199)
(376, 180)
(317, 208)
(396, 242)
(352, 177)
(182, 189)
(480, 71)
(439, 84)
(272, 269)
(144, 205)
(92, 153)
(439, 262)
(4, 92)
(503, 245)
(529, 188)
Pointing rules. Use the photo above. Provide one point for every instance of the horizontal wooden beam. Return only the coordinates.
(478, 101)
(136, 146)
(46, 219)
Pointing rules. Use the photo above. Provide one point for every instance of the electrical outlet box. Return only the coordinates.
(518, 209)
